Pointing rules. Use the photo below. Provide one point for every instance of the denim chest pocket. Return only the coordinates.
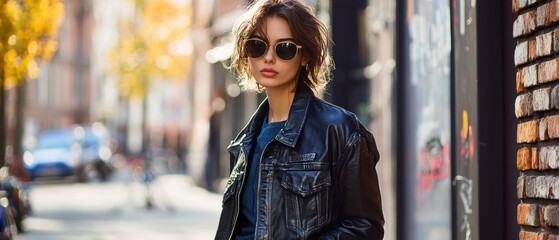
(306, 196)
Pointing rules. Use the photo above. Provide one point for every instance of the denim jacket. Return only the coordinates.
(317, 178)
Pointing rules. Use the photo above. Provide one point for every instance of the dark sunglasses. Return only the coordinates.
(285, 50)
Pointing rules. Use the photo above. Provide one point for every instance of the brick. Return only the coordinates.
(546, 14)
(521, 53)
(534, 235)
(544, 163)
(529, 22)
(547, 71)
(520, 189)
(538, 185)
(541, 16)
(544, 44)
(520, 81)
(530, 75)
(530, 190)
(553, 126)
(535, 158)
(554, 189)
(542, 186)
(523, 105)
(522, 235)
(550, 216)
(532, 50)
(524, 159)
(555, 97)
(542, 131)
(541, 99)
(552, 12)
(527, 214)
(526, 235)
(549, 157)
(517, 27)
(527, 132)
(524, 24)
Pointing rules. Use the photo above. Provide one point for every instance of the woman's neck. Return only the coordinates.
(280, 104)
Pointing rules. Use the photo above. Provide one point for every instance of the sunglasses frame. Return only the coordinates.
(297, 47)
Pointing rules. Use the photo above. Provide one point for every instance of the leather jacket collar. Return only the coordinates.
(293, 126)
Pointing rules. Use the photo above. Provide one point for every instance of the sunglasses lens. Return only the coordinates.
(255, 48)
(286, 50)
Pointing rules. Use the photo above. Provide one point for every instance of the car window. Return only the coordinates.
(54, 141)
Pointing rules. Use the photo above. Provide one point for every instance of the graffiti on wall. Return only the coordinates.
(466, 138)
(464, 188)
(434, 162)
(463, 184)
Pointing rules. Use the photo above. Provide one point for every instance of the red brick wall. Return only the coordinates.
(536, 57)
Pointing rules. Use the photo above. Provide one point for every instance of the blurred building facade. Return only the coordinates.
(77, 86)
(61, 96)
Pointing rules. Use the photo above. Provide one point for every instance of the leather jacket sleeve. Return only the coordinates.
(361, 216)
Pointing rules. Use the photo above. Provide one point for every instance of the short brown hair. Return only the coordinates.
(307, 31)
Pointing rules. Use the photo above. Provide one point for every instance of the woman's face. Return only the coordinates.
(269, 70)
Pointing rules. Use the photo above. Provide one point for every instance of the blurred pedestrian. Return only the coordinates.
(302, 168)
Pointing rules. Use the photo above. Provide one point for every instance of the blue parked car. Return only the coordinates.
(56, 154)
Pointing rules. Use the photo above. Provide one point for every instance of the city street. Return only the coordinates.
(117, 210)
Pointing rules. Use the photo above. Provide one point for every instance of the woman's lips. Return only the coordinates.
(268, 72)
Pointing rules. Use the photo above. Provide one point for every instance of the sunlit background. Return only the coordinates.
(115, 115)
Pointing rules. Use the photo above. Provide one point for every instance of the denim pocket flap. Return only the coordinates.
(307, 157)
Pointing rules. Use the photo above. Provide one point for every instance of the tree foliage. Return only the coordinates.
(29, 30)
(154, 43)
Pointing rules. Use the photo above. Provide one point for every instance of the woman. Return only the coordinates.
(301, 168)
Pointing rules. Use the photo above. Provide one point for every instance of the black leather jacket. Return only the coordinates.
(317, 178)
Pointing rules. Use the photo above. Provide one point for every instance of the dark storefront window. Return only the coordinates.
(426, 136)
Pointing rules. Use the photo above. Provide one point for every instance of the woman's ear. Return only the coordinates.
(304, 62)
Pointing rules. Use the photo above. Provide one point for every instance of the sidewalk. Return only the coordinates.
(178, 193)
(116, 210)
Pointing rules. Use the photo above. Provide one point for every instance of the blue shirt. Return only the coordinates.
(248, 196)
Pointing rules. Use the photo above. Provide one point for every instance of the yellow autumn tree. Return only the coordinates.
(28, 35)
(154, 43)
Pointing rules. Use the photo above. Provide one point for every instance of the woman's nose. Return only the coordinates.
(269, 56)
